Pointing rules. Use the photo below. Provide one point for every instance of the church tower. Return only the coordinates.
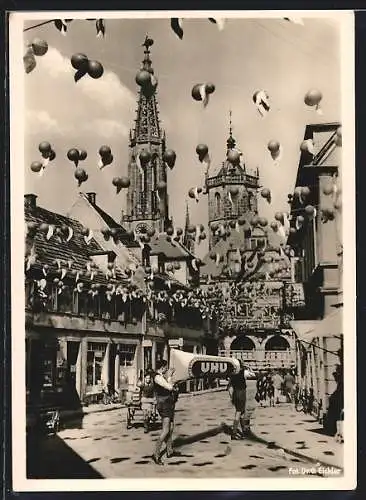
(147, 199)
(232, 193)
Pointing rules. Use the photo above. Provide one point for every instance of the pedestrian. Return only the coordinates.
(147, 392)
(289, 381)
(238, 393)
(270, 390)
(277, 384)
(166, 397)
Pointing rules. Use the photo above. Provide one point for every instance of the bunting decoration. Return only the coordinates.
(219, 21)
(261, 101)
(176, 24)
(295, 20)
(50, 232)
(61, 25)
(100, 27)
(70, 233)
(29, 60)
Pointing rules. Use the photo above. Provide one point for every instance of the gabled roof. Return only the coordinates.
(124, 237)
(76, 250)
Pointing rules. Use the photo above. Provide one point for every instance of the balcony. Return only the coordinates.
(260, 359)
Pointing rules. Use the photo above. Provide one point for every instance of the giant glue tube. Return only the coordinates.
(188, 366)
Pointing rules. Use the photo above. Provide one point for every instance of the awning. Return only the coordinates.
(330, 326)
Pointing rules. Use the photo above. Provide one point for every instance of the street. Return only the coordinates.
(202, 447)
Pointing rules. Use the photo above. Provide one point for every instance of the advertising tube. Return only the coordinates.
(189, 366)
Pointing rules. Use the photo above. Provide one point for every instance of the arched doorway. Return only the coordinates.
(242, 343)
(277, 343)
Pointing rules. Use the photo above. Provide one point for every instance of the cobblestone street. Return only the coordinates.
(203, 448)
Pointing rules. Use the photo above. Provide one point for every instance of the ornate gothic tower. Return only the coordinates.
(146, 206)
(232, 193)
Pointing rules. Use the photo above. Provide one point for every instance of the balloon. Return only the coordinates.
(196, 92)
(143, 78)
(179, 231)
(191, 228)
(40, 47)
(52, 155)
(36, 166)
(191, 193)
(266, 193)
(254, 220)
(81, 175)
(176, 266)
(338, 204)
(313, 97)
(170, 231)
(305, 191)
(80, 62)
(44, 227)
(263, 221)
(210, 88)
(83, 154)
(105, 151)
(44, 147)
(169, 157)
(214, 226)
(73, 155)
(145, 157)
(274, 226)
(279, 216)
(310, 210)
(121, 182)
(233, 157)
(234, 190)
(202, 149)
(95, 69)
(161, 186)
(202, 236)
(241, 220)
(232, 224)
(328, 189)
(169, 268)
(273, 146)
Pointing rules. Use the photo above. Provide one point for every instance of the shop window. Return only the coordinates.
(126, 354)
(48, 363)
(94, 363)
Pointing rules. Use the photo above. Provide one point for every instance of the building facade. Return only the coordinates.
(317, 243)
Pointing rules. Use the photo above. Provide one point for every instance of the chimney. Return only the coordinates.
(92, 197)
(30, 200)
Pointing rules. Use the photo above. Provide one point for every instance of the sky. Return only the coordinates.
(282, 58)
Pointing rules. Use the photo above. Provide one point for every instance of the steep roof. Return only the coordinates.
(76, 250)
(127, 239)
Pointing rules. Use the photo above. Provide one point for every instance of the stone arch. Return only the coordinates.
(277, 343)
(242, 343)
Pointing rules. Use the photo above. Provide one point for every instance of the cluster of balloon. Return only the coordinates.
(202, 91)
(170, 157)
(266, 194)
(76, 155)
(261, 101)
(48, 154)
(301, 193)
(106, 157)
(338, 137)
(312, 98)
(121, 183)
(274, 147)
(307, 146)
(37, 47)
(310, 211)
(145, 78)
(84, 66)
(194, 193)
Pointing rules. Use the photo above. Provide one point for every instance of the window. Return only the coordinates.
(217, 204)
(65, 300)
(126, 354)
(94, 363)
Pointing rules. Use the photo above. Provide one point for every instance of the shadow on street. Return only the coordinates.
(51, 458)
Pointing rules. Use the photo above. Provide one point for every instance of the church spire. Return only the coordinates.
(231, 143)
(147, 125)
(187, 239)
